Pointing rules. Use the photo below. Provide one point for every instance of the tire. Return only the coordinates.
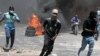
(76, 29)
(30, 32)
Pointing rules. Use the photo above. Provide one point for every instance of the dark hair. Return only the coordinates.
(92, 14)
(11, 8)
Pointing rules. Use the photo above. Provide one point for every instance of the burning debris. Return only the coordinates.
(34, 26)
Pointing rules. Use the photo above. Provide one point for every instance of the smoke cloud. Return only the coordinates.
(68, 8)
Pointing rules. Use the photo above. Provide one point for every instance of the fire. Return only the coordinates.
(34, 22)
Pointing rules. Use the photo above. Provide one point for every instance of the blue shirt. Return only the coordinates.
(9, 20)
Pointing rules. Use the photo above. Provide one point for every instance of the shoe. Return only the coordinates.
(5, 49)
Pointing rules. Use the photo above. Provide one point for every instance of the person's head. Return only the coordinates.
(76, 16)
(92, 14)
(11, 9)
(54, 14)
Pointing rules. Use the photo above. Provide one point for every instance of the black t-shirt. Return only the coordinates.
(51, 28)
(91, 25)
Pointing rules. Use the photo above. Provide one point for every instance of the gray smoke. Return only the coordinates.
(68, 8)
(81, 7)
(24, 8)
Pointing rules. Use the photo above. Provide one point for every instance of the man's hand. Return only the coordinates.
(18, 21)
(54, 37)
(94, 31)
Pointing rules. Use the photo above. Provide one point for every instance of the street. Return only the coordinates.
(66, 44)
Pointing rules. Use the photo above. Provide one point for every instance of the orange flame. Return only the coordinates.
(35, 23)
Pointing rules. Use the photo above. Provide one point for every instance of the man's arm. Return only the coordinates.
(96, 38)
(86, 25)
(57, 31)
(17, 18)
(79, 20)
(59, 27)
(72, 19)
(1, 20)
(89, 30)
(44, 24)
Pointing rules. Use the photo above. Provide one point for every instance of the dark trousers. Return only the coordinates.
(10, 34)
(48, 46)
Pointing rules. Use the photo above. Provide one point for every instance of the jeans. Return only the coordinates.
(87, 40)
(10, 34)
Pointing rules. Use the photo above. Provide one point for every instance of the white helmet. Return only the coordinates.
(55, 11)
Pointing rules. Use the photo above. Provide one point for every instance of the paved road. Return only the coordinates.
(66, 44)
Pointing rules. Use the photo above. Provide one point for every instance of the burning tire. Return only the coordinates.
(30, 31)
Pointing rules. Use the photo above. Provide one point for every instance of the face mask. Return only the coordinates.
(11, 12)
